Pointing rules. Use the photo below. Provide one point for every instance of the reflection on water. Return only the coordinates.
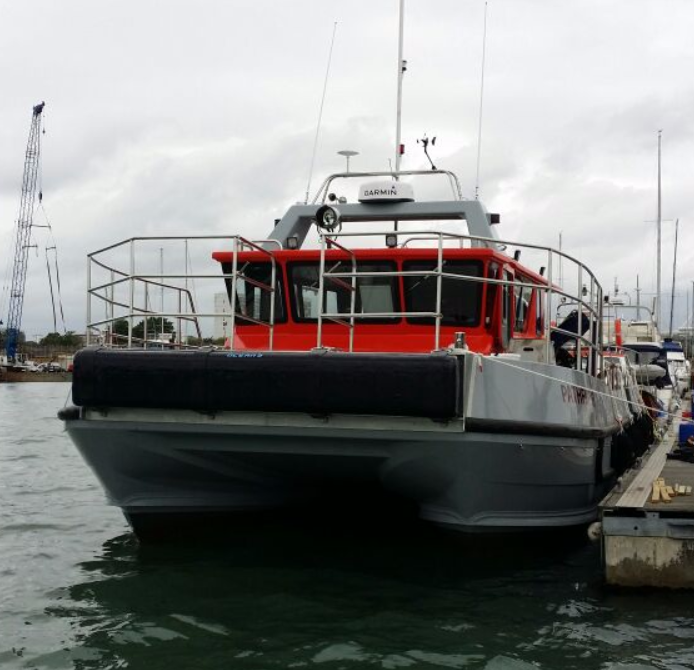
(289, 595)
(77, 591)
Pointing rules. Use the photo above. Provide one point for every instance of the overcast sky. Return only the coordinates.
(175, 117)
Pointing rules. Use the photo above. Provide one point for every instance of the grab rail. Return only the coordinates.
(588, 298)
(128, 309)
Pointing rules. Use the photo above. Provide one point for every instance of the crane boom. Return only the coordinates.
(24, 223)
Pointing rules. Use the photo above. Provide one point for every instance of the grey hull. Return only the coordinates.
(172, 462)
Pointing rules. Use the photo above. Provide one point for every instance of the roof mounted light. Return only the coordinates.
(328, 218)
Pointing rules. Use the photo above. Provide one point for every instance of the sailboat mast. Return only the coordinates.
(402, 66)
(659, 224)
(674, 271)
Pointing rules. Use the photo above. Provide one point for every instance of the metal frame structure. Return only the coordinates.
(592, 306)
(186, 311)
(23, 238)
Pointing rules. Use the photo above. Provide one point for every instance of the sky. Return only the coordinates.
(176, 117)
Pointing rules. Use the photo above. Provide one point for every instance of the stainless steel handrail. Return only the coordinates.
(452, 179)
(593, 306)
(104, 291)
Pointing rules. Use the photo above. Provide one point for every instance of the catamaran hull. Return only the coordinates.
(232, 463)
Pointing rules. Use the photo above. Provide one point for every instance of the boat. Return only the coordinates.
(677, 366)
(420, 364)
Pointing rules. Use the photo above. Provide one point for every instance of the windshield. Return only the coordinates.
(373, 295)
(460, 299)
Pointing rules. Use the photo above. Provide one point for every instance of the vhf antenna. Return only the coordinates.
(425, 145)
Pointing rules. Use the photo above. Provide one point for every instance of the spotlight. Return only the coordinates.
(391, 241)
(328, 217)
(292, 242)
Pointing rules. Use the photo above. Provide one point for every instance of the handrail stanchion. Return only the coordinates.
(548, 310)
(593, 329)
(579, 321)
(111, 309)
(234, 272)
(352, 304)
(132, 293)
(89, 298)
(321, 289)
(439, 280)
(179, 322)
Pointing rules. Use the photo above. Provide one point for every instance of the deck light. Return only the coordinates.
(391, 241)
(542, 271)
(328, 217)
(292, 242)
(516, 255)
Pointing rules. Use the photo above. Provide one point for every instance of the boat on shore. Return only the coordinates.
(423, 366)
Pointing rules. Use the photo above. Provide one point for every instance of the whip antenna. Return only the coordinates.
(320, 113)
(402, 68)
(479, 126)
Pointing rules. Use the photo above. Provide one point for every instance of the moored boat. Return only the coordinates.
(426, 368)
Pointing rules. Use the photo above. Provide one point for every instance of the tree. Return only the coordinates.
(68, 339)
(154, 328)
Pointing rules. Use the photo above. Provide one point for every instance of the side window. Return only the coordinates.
(490, 297)
(507, 296)
(539, 312)
(253, 299)
(522, 300)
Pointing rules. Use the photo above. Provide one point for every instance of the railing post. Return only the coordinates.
(234, 271)
(579, 321)
(89, 300)
(548, 310)
(178, 320)
(321, 288)
(132, 293)
(439, 279)
(352, 304)
(111, 310)
(144, 320)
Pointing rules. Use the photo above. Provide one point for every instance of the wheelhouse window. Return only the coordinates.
(253, 299)
(523, 297)
(373, 295)
(460, 300)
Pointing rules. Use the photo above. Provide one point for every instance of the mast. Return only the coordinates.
(659, 225)
(402, 67)
(24, 223)
(674, 271)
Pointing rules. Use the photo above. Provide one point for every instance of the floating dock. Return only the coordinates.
(648, 521)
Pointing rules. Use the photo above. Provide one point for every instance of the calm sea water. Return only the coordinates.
(76, 590)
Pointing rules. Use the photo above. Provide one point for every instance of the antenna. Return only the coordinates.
(479, 126)
(402, 68)
(348, 153)
(320, 113)
(659, 222)
(425, 145)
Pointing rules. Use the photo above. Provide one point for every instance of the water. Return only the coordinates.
(76, 591)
